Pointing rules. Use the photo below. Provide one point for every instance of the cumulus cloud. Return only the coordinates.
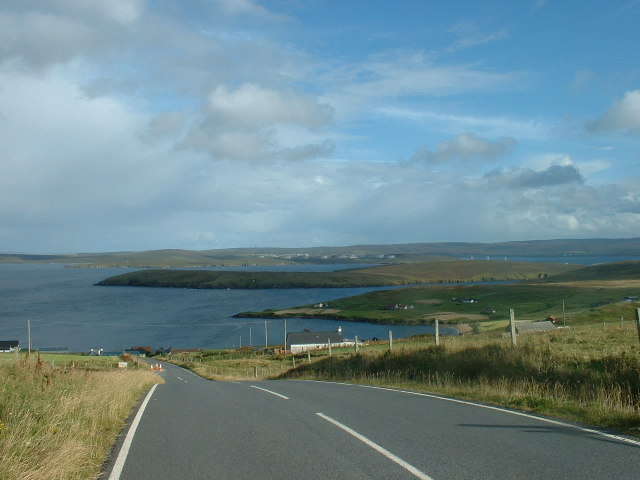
(623, 115)
(252, 106)
(463, 148)
(243, 123)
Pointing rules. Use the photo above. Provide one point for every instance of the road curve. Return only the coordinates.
(196, 429)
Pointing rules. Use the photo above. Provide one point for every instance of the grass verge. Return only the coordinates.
(588, 374)
(59, 422)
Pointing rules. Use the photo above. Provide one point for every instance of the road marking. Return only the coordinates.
(269, 391)
(377, 448)
(182, 380)
(512, 412)
(126, 445)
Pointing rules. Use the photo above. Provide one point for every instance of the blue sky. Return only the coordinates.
(147, 124)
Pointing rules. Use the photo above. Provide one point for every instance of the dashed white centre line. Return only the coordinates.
(394, 458)
(269, 391)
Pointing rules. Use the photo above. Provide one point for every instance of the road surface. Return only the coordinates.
(191, 428)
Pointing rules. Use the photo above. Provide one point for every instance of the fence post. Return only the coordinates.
(356, 344)
(512, 322)
(390, 340)
(638, 322)
(329, 343)
(437, 332)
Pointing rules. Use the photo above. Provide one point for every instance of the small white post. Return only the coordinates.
(329, 344)
(356, 344)
(309, 356)
(437, 332)
(390, 340)
(512, 322)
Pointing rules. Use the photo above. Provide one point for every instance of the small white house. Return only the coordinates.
(7, 346)
(307, 340)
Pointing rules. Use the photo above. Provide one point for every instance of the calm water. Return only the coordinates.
(67, 310)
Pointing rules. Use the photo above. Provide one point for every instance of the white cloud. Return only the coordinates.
(623, 115)
(464, 147)
(252, 106)
(244, 124)
(535, 129)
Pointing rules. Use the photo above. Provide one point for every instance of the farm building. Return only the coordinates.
(307, 340)
(9, 345)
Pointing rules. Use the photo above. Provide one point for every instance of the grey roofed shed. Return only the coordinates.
(313, 339)
(8, 345)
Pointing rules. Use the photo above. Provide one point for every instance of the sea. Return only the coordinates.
(61, 309)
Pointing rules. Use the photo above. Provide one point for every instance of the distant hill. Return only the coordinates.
(356, 254)
(604, 271)
(449, 271)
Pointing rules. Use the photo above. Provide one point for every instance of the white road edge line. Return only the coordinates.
(512, 412)
(126, 445)
(269, 391)
(394, 458)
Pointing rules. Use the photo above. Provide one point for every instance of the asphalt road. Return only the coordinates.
(196, 429)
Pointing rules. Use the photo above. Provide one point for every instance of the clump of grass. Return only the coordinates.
(233, 365)
(60, 422)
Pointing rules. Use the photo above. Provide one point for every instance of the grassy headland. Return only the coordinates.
(388, 275)
(599, 295)
(59, 422)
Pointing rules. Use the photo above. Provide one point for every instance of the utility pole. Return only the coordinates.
(285, 333)
(266, 341)
(29, 334)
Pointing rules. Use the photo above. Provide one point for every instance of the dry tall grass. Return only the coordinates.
(589, 374)
(59, 423)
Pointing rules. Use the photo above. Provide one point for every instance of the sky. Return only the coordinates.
(207, 124)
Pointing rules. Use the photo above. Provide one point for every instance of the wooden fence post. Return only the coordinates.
(638, 322)
(390, 340)
(512, 322)
(437, 332)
